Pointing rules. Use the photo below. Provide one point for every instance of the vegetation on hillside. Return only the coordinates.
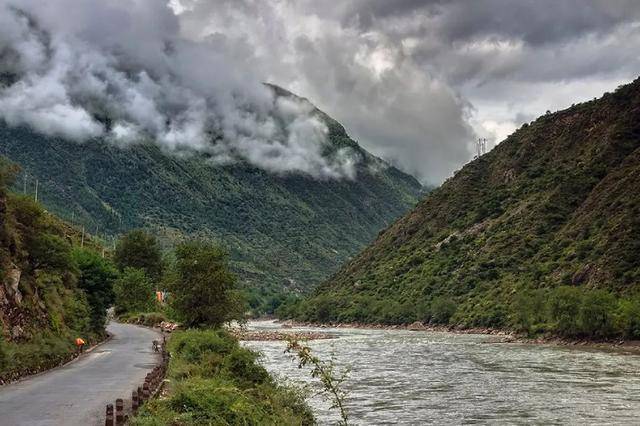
(54, 286)
(281, 231)
(540, 234)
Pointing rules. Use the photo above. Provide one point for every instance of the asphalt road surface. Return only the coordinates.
(77, 393)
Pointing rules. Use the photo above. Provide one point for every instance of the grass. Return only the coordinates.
(214, 381)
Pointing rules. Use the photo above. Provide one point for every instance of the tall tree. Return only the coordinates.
(133, 291)
(139, 249)
(205, 292)
(96, 279)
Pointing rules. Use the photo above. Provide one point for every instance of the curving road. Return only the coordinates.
(76, 394)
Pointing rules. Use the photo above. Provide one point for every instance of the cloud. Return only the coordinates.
(414, 81)
(123, 72)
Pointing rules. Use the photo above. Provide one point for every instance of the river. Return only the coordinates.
(416, 378)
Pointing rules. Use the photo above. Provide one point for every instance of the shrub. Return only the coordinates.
(564, 308)
(192, 345)
(215, 381)
(629, 318)
(597, 313)
(50, 251)
(241, 364)
(442, 309)
(4, 356)
(529, 310)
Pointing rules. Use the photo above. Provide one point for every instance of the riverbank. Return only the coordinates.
(502, 336)
(211, 379)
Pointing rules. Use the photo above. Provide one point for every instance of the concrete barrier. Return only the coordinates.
(151, 386)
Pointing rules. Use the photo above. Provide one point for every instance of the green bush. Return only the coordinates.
(150, 319)
(192, 345)
(4, 356)
(564, 310)
(597, 314)
(215, 381)
(133, 291)
(529, 310)
(442, 309)
(629, 318)
(241, 364)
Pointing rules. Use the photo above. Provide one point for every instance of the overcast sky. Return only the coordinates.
(415, 82)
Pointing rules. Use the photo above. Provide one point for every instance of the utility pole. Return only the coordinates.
(481, 147)
(82, 240)
(36, 198)
(24, 184)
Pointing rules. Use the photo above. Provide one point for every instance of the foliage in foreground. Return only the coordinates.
(326, 373)
(214, 381)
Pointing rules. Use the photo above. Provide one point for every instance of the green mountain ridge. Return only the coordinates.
(555, 204)
(283, 231)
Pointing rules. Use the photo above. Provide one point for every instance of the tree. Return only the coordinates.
(96, 279)
(133, 291)
(597, 313)
(138, 249)
(50, 251)
(442, 309)
(629, 318)
(564, 307)
(205, 291)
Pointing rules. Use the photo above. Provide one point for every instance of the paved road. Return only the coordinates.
(77, 393)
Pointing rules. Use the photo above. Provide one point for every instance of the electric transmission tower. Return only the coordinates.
(481, 147)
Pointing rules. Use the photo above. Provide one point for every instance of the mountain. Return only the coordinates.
(551, 213)
(282, 231)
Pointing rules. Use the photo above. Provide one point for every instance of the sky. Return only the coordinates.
(415, 82)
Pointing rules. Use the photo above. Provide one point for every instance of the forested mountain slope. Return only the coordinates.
(555, 204)
(283, 231)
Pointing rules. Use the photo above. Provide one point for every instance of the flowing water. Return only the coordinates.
(409, 377)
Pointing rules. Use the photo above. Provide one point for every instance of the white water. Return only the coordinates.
(409, 377)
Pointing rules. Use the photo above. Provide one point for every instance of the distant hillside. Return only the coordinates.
(555, 204)
(283, 231)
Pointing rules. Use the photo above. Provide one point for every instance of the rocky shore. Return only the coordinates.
(501, 336)
(267, 335)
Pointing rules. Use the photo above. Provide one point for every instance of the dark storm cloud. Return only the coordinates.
(413, 81)
(73, 64)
